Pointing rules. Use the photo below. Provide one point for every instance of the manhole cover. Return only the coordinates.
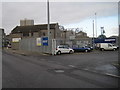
(59, 71)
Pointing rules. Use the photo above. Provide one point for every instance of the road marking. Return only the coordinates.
(112, 75)
(71, 66)
(59, 71)
(108, 74)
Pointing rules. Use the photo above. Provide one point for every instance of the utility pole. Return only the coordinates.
(48, 27)
(96, 23)
(48, 16)
(93, 34)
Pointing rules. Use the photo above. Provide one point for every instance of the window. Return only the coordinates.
(109, 45)
(43, 33)
(25, 34)
(31, 33)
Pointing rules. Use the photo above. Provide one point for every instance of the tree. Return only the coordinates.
(102, 36)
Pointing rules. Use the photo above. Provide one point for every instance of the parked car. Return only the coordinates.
(82, 49)
(107, 46)
(9, 45)
(64, 49)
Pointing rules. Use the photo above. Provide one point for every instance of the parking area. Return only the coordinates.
(95, 61)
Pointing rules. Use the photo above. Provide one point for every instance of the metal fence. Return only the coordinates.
(71, 43)
(30, 44)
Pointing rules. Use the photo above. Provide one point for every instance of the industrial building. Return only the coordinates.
(33, 31)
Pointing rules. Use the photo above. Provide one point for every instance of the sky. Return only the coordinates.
(70, 14)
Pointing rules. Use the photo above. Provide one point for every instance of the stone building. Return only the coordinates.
(35, 31)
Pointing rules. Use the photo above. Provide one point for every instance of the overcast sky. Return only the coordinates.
(68, 14)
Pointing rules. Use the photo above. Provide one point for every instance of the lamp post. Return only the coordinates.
(93, 34)
(48, 26)
(48, 16)
(96, 23)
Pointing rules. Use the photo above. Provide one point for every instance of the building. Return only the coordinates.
(2, 37)
(36, 31)
(71, 38)
(68, 34)
(82, 39)
(20, 32)
(116, 39)
(26, 22)
(81, 34)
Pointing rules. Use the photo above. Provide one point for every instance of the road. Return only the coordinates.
(56, 71)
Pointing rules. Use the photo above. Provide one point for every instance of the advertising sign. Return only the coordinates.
(16, 39)
(45, 41)
(106, 40)
(38, 41)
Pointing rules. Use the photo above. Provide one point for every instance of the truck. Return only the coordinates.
(106, 46)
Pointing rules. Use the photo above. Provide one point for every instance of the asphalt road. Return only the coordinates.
(56, 71)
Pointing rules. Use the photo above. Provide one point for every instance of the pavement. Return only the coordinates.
(24, 53)
(109, 69)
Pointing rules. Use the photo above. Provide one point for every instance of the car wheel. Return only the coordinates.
(71, 52)
(102, 49)
(59, 52)
(114, 49)
(86, 50)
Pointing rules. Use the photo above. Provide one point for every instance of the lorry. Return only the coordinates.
(106, 46)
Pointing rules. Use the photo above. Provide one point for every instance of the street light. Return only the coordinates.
(93, 33)
(96, 23)
(48, 27)
(48, 16)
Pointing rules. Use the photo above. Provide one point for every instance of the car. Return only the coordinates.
(82, 49)
(9, 45)
(64, 49)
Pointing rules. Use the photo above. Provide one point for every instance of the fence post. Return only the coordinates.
(53, 47)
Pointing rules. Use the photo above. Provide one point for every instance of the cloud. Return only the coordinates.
(115, 30)
(61, 12)
(75, 12)
(60, 0)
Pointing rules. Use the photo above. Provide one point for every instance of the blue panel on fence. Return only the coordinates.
(45, 41)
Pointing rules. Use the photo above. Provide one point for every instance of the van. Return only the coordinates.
(107, 46)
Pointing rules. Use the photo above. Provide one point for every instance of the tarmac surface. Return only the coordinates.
(79, 70)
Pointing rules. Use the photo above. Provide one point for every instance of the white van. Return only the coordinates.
(107, 46)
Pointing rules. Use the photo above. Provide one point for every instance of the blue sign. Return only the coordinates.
(106, 40)
(45, 41)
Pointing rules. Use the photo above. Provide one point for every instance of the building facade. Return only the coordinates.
(35, 31)
(26, 22)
